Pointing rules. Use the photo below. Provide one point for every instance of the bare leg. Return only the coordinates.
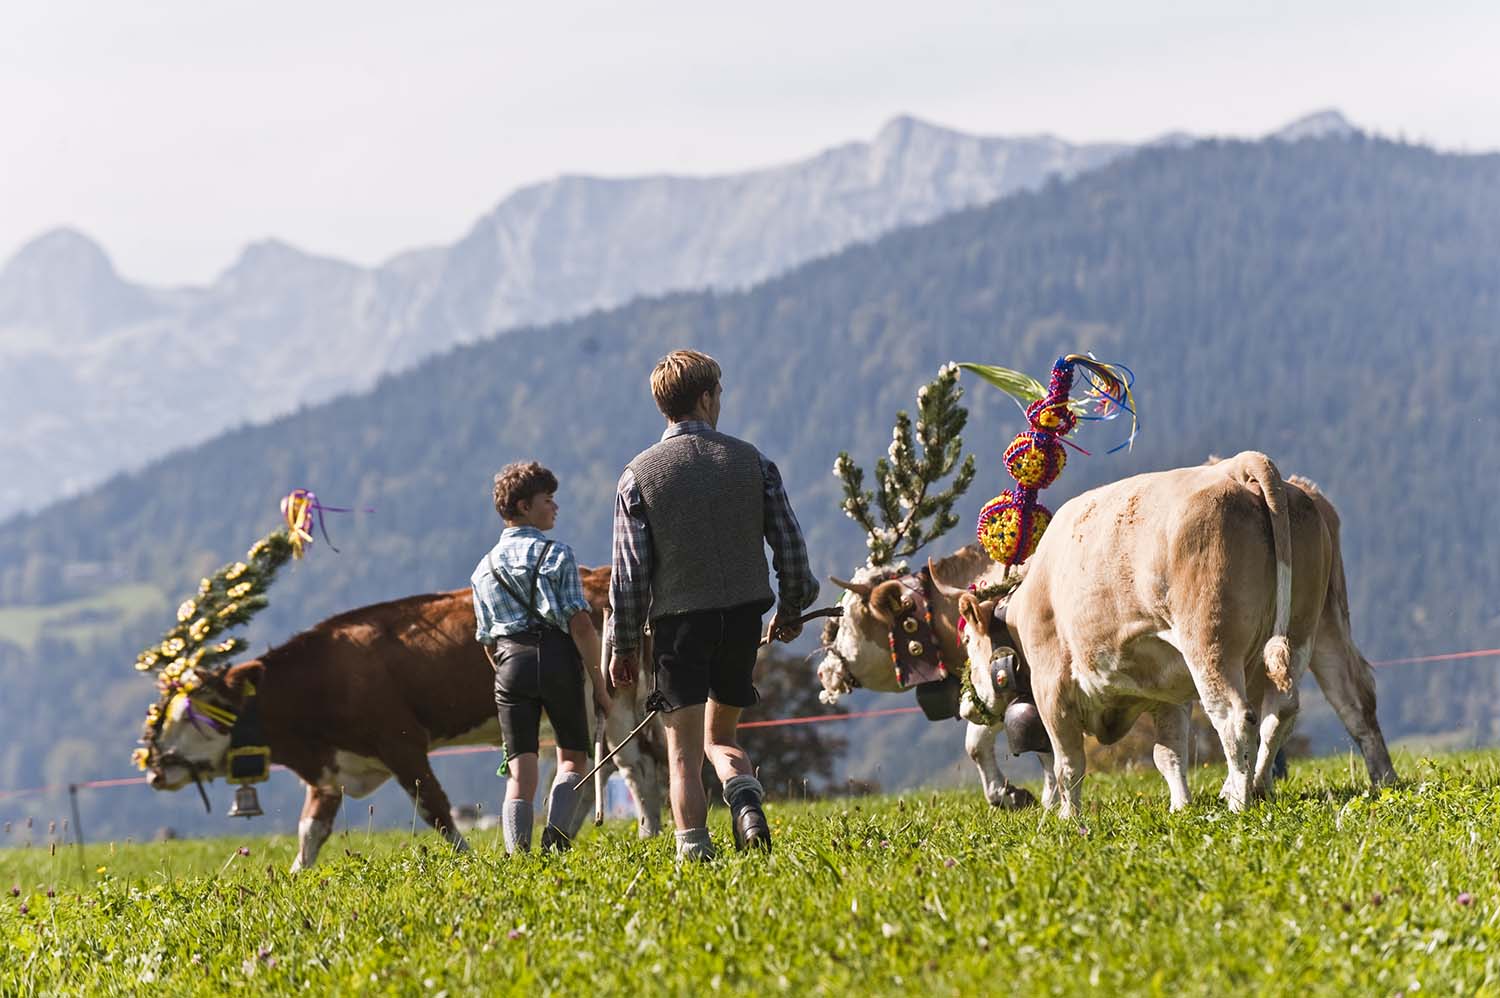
(318, 812)
(1172, 724)
(523, 776)
(685, 755)
(722, 747)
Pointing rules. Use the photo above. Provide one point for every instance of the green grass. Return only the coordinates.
(79, 619)
(1330, 890)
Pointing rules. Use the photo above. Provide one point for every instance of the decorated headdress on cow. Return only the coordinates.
(199, 643)
(1011, 524)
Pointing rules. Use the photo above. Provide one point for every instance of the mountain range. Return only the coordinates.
(99, 375)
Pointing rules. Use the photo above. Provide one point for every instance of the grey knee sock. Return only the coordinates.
(580, 813)
(516, 821)
(736, 784)
(562, 803)
(694, 844)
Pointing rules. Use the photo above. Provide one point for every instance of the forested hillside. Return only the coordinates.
(1335, 303)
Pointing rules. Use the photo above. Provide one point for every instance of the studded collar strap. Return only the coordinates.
(916, 653)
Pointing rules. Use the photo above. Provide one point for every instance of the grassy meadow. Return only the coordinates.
(1329, 890)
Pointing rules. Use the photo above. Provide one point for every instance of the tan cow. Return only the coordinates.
(858, 655)
(1205, 583)
(365, 696)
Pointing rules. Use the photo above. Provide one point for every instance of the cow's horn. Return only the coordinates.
(940, 585)
(862, 588)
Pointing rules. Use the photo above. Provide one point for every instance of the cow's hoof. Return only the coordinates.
(1014, 798)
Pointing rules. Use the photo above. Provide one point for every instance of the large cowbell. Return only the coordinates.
(248, 765)
(246, 803)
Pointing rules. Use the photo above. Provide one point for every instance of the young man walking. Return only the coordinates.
(693, 514)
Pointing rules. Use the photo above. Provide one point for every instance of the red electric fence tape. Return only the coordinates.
(776, 723)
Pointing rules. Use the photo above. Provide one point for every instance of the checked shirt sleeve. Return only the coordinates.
(570, 588)
(483, 619)
(630, 562)
(794, 578)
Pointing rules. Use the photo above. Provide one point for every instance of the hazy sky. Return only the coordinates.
(173, 132)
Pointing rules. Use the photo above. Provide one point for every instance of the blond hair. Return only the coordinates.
(680, 379)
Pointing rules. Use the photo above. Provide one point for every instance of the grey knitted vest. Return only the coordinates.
(705, 505)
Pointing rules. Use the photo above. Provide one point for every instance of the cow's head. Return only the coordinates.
(187, 731)
(992, 658)
(858, 644)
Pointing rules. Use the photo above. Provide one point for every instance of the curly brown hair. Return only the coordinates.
(519, 482)
(680, 379)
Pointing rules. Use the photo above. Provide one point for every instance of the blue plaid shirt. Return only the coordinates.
(630, 577)
(559, 592)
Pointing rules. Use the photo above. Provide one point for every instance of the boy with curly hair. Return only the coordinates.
(533, 619)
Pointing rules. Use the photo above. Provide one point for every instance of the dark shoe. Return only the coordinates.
(751, 830)
(554, 840)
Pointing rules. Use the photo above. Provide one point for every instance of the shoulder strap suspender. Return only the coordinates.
(528, 603)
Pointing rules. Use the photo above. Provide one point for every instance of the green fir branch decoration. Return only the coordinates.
(225, 600)
(911, 513)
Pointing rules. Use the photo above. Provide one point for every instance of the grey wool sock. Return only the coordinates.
(694, 844)
(516, 821)
(736, 784)
(562, 804)
(580, 813)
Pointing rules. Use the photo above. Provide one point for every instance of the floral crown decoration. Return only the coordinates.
(227, 599)
(1011, 524)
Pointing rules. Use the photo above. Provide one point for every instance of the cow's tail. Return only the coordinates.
(1260, 472)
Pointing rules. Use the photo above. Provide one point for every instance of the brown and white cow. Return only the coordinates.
(1203, 583)
(859, 656)
(365, 696)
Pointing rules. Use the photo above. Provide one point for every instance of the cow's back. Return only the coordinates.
(1132, 557)
(363, 677)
